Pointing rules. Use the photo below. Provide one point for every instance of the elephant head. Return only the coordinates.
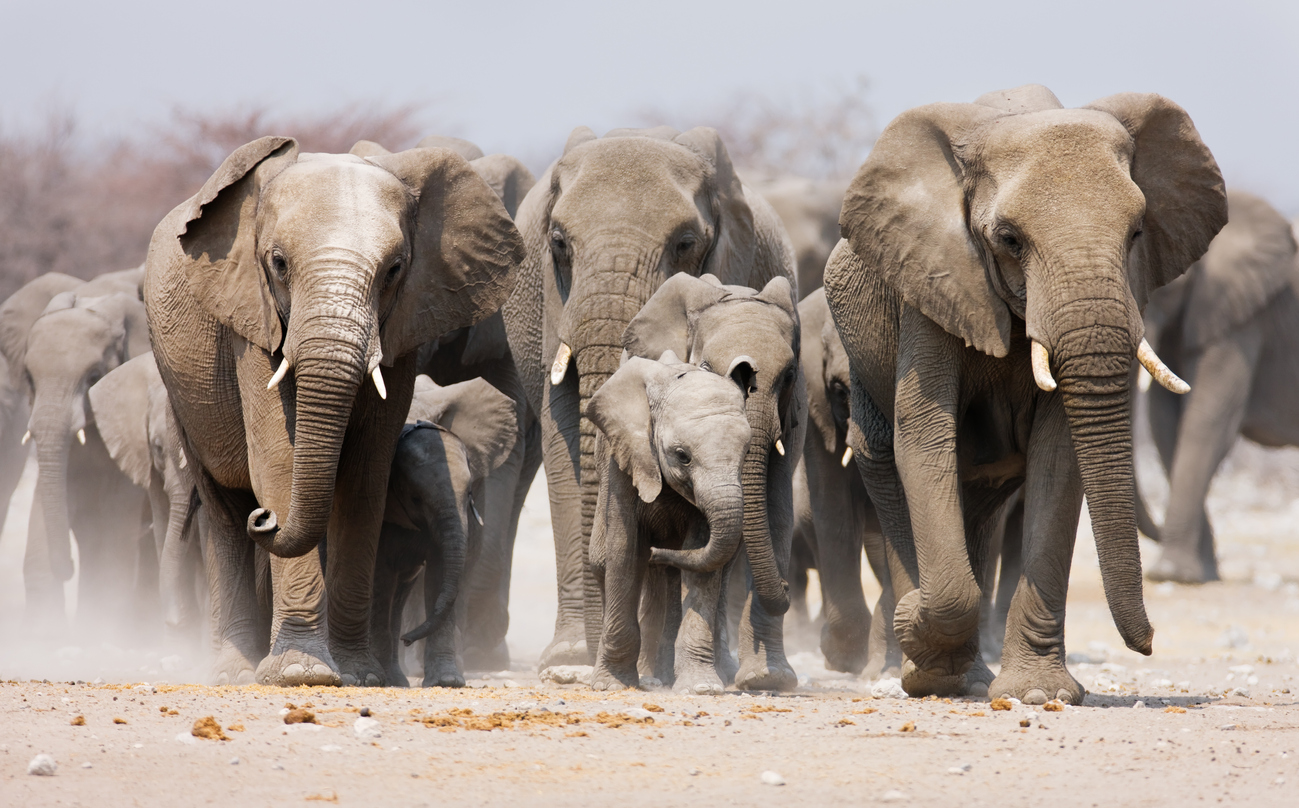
(335, 266)
(455, 437)
(666, 421)
(829, 386)
(1014, 210)
(73, 344)
(752, 338)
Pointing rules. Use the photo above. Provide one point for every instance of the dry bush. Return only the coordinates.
(67, 205)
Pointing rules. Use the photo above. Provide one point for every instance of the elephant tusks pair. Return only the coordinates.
(1145, 354)
(283, 370)
(560, 367)
(847, 457)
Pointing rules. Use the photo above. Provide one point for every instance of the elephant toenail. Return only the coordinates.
(246, 678)
(348, 680)
(293, 671)
(321, 670)
(1065, 696)
(371, 680)
(1035, 696)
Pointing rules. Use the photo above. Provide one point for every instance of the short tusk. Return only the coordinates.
(81, 436)
(280, 373)
(182, 462)
(378, 383)
(780, 447)
(1151, 362)
(477, 516)
(847, 457)
(560, 367)
(1042, 367)
(27, 436)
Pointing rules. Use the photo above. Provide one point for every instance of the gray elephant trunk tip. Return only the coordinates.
(264, 528)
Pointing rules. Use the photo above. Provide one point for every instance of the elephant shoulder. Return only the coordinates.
(773, 254)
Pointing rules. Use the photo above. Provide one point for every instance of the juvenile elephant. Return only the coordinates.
(1230, 327)
(607, 223)
(275, 295)
(454, 438)
(674, 439)
(751, 338)
(991, 249)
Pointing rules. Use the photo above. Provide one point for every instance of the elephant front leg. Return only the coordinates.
(763, 665)
(1033, 656)
(619, 571)
(695, 664)
(299, 626)
(569, 645)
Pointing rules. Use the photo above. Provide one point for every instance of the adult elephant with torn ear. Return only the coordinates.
(1230, 327)
(287, 300)
(751, 338)
(604, 227)
(988, 293)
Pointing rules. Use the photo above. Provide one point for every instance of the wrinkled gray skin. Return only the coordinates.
(455, 438)
(607, 223)
(135, 421)
(333, 268)
(79, 338)
(1230, 328)
(673, 441)
(970, 230)
(751, 338)
(809, 210)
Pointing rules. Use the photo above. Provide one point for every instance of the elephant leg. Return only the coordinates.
(1012, 562)
(441, 668)
(45, 611)
(299, 653)
(695, 669)
(837, 498)
(621, 578)
(1211, 418)
(569, 645)
(652, 618)
(763, 665)
(1033, 656)
(801, 563)
(384, 612)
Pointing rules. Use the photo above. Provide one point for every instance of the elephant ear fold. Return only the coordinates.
(733, 252)
(218, 236)
(1186, 201)
(577, 137)
(904, 217)
(620, 409)
(486, 422)
(1251, 259)
(780, 292)
(120, 404)
(813, 313)
(486, 341)
(509, 179)
(367, 148)
(465, 250)
(663, 323)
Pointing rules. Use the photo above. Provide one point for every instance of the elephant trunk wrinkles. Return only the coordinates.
(52, 430)
(723, 507)
(172, 575)
(454, 542)
(769, 585)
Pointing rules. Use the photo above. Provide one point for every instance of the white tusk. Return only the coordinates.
(847, 457)
(378, 383)
(780, 447)
(1042, 367)
(280, 373)
(1151, 362)
(478, 516)
(183, 462)
(81, 436)
(27, 436)
(560, 367)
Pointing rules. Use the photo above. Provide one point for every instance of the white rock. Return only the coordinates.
(87, 765)
(1269, 580)
(42, 765)
(693, 772)
(331, 747)
(1031, 716)
(145, 688)
(367, 729)
(277, 766)
(1243, 692)
(639, 712)
(1138, 704)
(1243, 670)
(1253, 680)
(234, 761)
(185, 737)
(888, 688)
(771, 778)
(1234, 637)
(894, 796)
(566, 674)
(284, 711)
(510, 683)
(1227, 727)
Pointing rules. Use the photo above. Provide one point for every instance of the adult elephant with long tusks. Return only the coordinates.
(989, 290)
(606, 224)
(286, 302)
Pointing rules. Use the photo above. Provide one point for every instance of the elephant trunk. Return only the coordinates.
(769, 584)
(173, 576)
(723, 507)
(52, 429)
(452, 537)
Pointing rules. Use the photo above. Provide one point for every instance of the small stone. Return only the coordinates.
(888, 688)
(42, 765)
(184, 737)
(958, 770)
(894, 796)
(87, 765)
(1280, 781)
(1234, 637)
(1024, 722)
(367, 729)
(1137, 705)
(365, 712)
(640, 713)
(234, 761)
(1227, 727)
(693, 772)
(1243, 692)
(1031, 716)
(510, 683)
(771, 778)
(277, 766)
(331, 747)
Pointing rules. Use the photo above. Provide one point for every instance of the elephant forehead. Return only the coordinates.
(74, 332)
(752, 327)
(634, 173)
(328, 185)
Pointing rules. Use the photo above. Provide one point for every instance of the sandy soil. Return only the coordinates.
(1211, 717)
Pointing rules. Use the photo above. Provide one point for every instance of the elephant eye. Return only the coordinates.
(393, 272)
(1010, 242)
(279, 266)
(557, 241)
(684, 245)
(683, 457)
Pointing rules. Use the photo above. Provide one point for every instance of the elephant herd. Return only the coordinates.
(335, 377)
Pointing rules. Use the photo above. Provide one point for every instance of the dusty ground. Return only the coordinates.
(1210, 718)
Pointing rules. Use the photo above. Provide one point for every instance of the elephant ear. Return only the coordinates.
(486, 341)
(462, 147)
(509, 179)
(367, 148)
(904, 217)
(465, 250)
(736, 242)
(22, 308)
(620, 409)
(218, 236)
(663, 323)
(126, 316)
(120, 403)
(577, 137)
(1025, 98)
(1186, 202)
(813, 313)
(1251, 259)
(482, 417)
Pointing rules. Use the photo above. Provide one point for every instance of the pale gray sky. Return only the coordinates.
(518, 76)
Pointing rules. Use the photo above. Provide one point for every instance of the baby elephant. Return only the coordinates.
(454, 437)
(670, 422)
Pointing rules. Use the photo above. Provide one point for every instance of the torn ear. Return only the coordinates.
(218, 237)
(620, 409)
(663, 323)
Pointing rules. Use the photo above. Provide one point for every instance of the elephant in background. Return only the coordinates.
(751, 338)
(604, 227)
(455, 437)
(809, 210)
(482, 351)
(990, 250)
(1230, 328)
(673, 441)
(287, 302)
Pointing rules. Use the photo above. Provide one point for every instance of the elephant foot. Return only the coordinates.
(395, 677)
(564, 650)
(358, 668)
(233, 667)
(293, 668)
(769, 671)
(919, 682)
(1178, 568)
(844, 651)
(727, 666)
(978, 678)
(698, 680)
(606, 678)
(482, 658)
(443, 673)
(1037, 684)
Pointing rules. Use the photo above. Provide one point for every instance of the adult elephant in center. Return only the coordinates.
(607, 223)
(275, 295)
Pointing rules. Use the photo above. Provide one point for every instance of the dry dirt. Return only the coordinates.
(1210, 718)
